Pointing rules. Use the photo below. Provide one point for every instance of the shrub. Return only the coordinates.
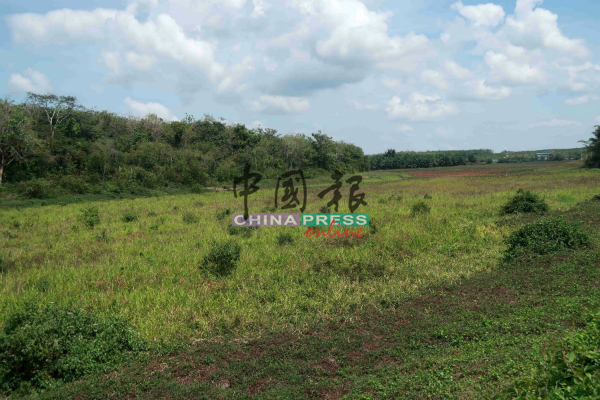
(43, 345)
(129, 217)
(223, 214)
(222, 258)
(573, 372)
(420, 208)
(284, 238)
(546, 236)
(245, 231)
(90, 216)
(35, 189)
(525, 202)
(190, 218)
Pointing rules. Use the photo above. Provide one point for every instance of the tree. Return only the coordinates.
(593, 148)
(56, 109)
(14, 139)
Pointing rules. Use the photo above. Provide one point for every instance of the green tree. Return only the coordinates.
(593, 148)
(15, 141)
(55, 109)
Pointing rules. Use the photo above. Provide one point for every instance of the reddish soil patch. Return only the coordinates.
(457, 173)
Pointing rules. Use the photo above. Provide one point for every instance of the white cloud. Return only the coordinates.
(442, 132)
(556, 122)
(456, 70)
(435, 78)
(482, 14)
(280, 104)
(235, 75)
(404, 128)
(143, 109)
(582, 77)
(360, 106)
(353, 32)
(391, 83)
(30, 80)
(111, 59)
(162, 36)
(504, 68)
(419, 107)
(581, 100)
(537, 27)
(259, 8)
(141, 61)
(480, 90)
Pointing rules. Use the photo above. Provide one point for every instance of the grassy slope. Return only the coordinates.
(427, 325)
(468, 339)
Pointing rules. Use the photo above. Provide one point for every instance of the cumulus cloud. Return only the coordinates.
(419, 107)
(435, 78)
(143, 109)
(504, 68)
(482, 14)
(278, 104)
(140, 61)
(480, 90)
(456, 70)
(556, 122)
(360, 106)
(30, 80)
(534, 27)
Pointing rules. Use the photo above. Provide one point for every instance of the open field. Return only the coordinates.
(420, 307)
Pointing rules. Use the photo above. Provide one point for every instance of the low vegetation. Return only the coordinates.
(525, 202)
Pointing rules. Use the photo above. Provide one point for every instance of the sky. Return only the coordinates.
(409, 75)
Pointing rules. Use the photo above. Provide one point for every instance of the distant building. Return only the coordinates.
(543, 156)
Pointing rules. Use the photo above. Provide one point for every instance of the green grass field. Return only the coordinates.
(421, 307)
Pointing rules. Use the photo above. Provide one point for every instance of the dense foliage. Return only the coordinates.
(398, 160)
(524, 202)
(593, 148)
(573, 372)
(40, 346)
(546, 236)
(51, 144)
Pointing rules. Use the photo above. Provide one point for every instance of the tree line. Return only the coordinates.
(50, 144)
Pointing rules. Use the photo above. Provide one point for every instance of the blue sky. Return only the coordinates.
(410, 75)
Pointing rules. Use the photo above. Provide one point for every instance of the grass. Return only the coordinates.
(403, 297)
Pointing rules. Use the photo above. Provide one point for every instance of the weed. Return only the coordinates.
(546, 236)
(284, 238)
(573, 372)
(325, 210)
(427, 196)
(42, 346)
(524, 202)
(596, 197)
(16, 224)
(245, 231)
(269, 209)
(190, 218)
(420, 208)
(129, 217)
(222, 258)
(152, 214)
(103, 236)
(221, 215)
(9, 234)
(90, 216)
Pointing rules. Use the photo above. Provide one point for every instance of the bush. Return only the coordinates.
(222, 258)
(35, 189)
(573, 372)
(284, 238)
(546, 236)
(420, 208)
(245, 231)
(90, 216)
(525, 202)
(41, 346)
(190, 218)
(129, 217)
